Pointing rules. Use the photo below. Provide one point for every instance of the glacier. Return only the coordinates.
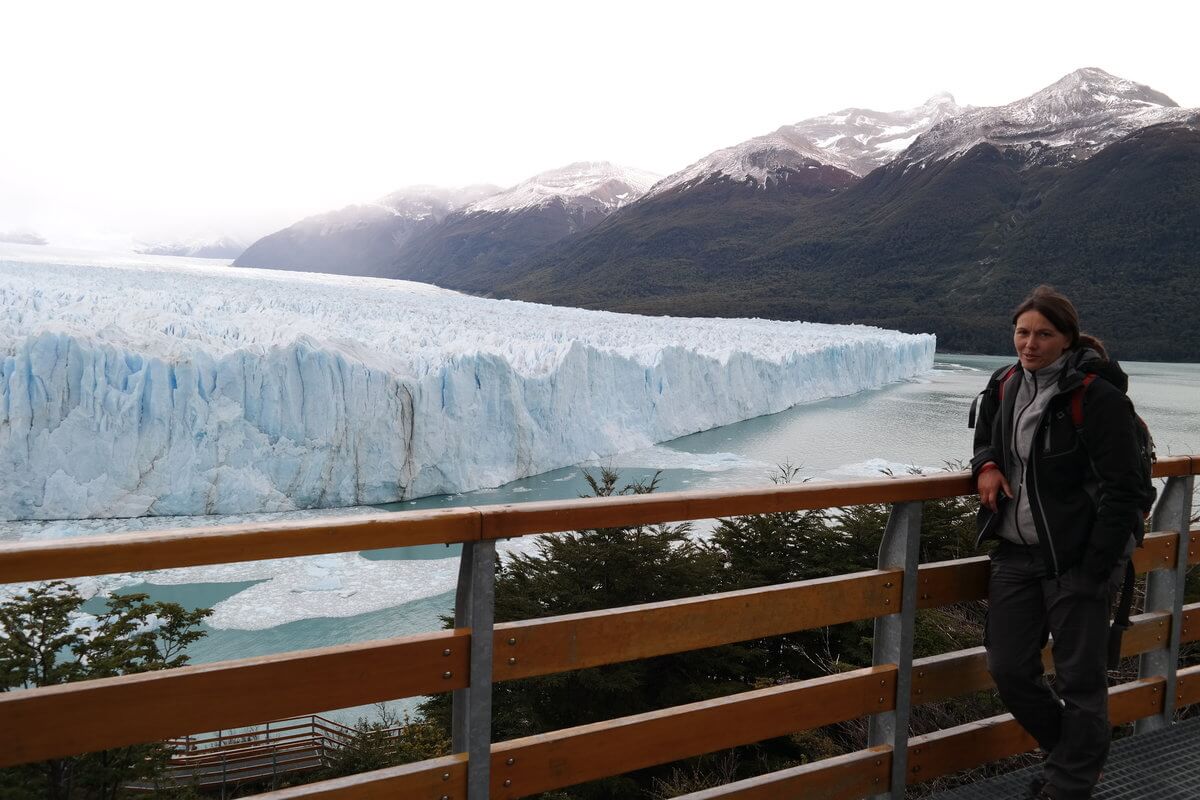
(166, 386)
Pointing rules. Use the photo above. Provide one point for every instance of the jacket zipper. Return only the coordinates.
(1033, 495)
(1016, 501)
(1035, 504)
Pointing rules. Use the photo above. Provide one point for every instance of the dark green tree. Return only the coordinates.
(597, 569)
(45, 641)
(385, 741)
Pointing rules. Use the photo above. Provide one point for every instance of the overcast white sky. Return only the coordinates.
(152, 119)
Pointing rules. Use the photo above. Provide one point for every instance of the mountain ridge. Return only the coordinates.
(944, 245)
(963, 212)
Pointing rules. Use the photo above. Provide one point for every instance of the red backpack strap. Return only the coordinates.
(1004, 379)
(1077, 400)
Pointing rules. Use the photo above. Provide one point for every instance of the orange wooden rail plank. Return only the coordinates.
(944, 582)
(1159, 550)
(1190, 630)
(503, 521)
(1151, 631)
(435, 779)
(1187, 686)
(102, 555)
(847, 777)
(522, 767)
(947, 675)
(519, 519)
(941, 583)
(964, 746)
(1176, 466)
(574, 641)
(72, 718)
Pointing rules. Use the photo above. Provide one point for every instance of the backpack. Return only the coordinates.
(1145, 463)
(994, 386)
(1146, 456)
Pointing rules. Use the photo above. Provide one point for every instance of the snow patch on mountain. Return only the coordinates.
(856, 140)
(586, 185)
(424, 201)
(1071, 119)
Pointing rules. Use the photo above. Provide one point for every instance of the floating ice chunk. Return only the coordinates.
(659, 457)
(879, 467)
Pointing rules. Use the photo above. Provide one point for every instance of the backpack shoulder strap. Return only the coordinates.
(1121, 622)
(1077, 399)
(1004, 379)
(995, 383)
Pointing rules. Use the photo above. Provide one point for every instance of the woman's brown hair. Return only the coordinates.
(1062, 315)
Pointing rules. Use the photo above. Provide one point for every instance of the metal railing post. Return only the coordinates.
(474, 608)
(894, 634)
(1164, 592)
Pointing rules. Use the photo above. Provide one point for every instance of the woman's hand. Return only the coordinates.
(991, 482)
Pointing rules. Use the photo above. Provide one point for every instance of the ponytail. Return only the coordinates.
(1086, 340)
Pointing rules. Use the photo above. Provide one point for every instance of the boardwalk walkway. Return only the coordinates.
(1164, 765)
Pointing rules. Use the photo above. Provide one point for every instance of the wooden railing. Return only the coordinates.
(261, 755)
(63, 720)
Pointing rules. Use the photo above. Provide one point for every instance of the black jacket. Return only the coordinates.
(1084, 486)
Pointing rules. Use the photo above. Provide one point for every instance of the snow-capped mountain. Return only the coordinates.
(360, 239)
(946, 248)
(856, 140)
(1067, 121)
(588, 186)
(219, 247)
(426, 202)
(472, 248)
(439, 235)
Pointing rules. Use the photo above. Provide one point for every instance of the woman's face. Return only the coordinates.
(1038, 342)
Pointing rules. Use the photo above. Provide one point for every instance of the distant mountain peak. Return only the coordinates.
(1070, 119)
(854, 140)
(21, 236)
(423, 201)
(600, 185)
(216, 246)
(1102, 86)
(940, 100)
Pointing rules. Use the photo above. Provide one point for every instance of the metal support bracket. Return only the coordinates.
(1164, 592)
(474, 608)
(894, 636)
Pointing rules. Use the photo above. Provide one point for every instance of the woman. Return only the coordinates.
(1063, 500)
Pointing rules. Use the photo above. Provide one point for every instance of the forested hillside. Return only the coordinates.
(946, 246)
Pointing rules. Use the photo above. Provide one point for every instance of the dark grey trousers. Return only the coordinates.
(1070, 721)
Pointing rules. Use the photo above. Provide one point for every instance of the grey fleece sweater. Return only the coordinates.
(1033, 396)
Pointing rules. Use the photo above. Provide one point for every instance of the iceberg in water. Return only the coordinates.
(132, 388)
